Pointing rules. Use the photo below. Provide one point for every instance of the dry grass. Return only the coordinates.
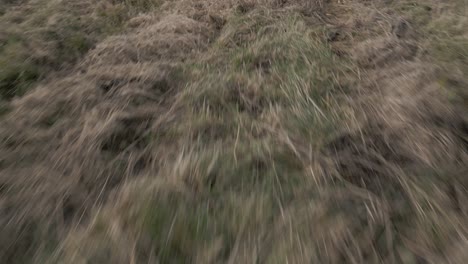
(234, 131)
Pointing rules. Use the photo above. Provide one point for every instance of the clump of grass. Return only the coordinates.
(282, 68)
(4, 108)
(16, 79)
(237, 170)
(35, 240)
(61, 35)
(142, 5)
(444, 38)
(419, 12)
(17, 71)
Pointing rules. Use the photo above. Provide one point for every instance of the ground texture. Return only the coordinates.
(233, 131)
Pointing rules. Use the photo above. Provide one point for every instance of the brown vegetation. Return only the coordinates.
(233, 131)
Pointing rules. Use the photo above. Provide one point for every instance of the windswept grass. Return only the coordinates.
(40, 37)
(203, 131)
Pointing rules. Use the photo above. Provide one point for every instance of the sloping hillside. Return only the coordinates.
(233, 131)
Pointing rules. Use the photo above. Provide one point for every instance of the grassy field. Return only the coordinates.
(233, 131)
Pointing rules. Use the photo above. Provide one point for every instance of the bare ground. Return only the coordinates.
(234, 131)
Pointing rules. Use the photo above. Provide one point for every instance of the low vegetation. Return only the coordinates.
(235, 131)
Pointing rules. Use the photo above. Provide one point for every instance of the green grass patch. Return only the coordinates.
(445, 42)
(186, 229)
(283, 71)
(4, 108)
(55, 35)
(241, 171)
(16, 78)
(420, 13)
